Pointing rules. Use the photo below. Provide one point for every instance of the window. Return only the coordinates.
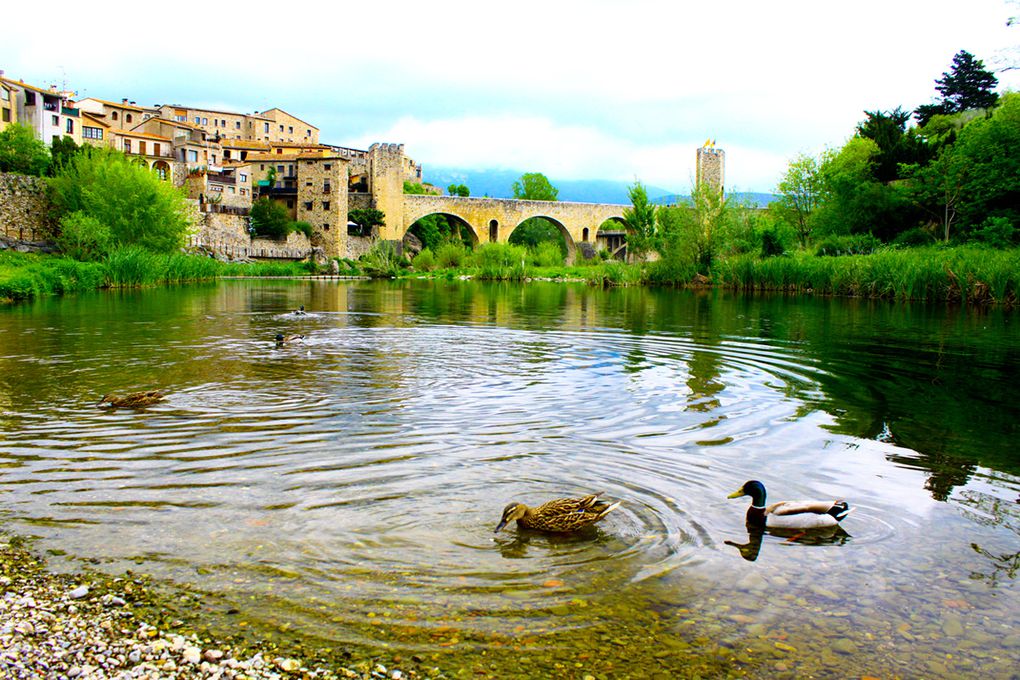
(230, 190)
(223, 122)
(205, 121)
(325, 187)
(216, 187)
(308, 183)
(281, 128)
(237, 125)
(5, 94)
(325, 226)
(56, 120)
(325, 205)
(279, 169)
(244, 177)
(226, 154)
(308, 133)
(141, 148)
(266, 130)
(128, 117)
(30, 99)
(113, 115)
(127, 146)
(91, 132)
(279, 151)
(198, 120)
(262, 166)
(181, 118)
(328, 166)
(7, 115)
(70, 126)
(290, 171)
(215, 123)
(290, 130)
(244, 192)
(308, 205)
(155, 148)
(192, 156)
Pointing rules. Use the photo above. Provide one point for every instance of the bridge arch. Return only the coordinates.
(464, 228)
(563, 230)
(611, 236)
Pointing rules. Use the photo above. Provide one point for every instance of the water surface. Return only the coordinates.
(345, 488)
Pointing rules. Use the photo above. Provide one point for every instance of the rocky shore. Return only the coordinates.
(91, 625)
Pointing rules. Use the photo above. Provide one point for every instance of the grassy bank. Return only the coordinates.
(968, 273)
(26, 275)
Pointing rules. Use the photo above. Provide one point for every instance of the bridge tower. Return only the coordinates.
(711, 166)
(386, 182)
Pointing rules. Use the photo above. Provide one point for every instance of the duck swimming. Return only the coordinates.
(560, 516)
(282, 339)
(789, 514)
(133, 400)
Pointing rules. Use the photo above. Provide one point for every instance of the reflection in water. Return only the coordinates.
(750, 549)
(360, 472)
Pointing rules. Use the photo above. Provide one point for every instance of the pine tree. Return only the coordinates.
(967, 85)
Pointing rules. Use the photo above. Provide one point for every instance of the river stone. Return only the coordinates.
(844, 646)
(192, 654)
(952, 626)
(78, 593)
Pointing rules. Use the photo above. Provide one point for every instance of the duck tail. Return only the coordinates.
(839, 510)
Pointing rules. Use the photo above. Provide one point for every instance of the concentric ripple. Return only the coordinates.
(366, 465)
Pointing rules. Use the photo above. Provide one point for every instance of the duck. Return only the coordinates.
(561, 515)
(789, 514)
(133, 400)
(282, 339)
(300, 311)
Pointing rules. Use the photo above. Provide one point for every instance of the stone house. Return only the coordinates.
(118, 116)
(49, 112)
(8, 106)
(288, 128)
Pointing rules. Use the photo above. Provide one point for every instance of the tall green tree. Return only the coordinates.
(62, 150)
(269, 219)
(800, 193)
(967, 85)
(21, 152)
(896, 144)
(131, 200)
(640, 219)
(534, 186)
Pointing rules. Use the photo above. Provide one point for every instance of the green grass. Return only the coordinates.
(27, 275)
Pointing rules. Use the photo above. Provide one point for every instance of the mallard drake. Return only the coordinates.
(300, 311)
(134, 400)
(561, 515)
(789, 514)
(282, 339)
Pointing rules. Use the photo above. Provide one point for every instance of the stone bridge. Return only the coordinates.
(494, 219)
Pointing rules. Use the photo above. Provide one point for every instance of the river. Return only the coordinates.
(344, 488)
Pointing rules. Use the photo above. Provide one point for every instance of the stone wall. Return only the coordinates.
(25, 208)
(357, 246)
(227, 236)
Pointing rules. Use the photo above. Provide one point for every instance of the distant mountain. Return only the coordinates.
(751, 198)
(499, 183)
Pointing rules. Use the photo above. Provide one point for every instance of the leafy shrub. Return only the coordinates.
(451, 255)
(303, 227)
(21, 152)
(133, 202)
(501, 262)
(366, 219)
(83, 237)
(914, 237)
(269, 219)
(382, 261)
(858, 244)
(771, 244)
(997, 232)
(546, 254)
(424, 261)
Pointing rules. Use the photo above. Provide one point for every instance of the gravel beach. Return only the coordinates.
(92, 625)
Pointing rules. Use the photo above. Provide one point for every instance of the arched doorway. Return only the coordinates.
(163, 170)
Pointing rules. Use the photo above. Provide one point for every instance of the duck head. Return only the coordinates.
(754, 489)
(279, 338)
(511, 513)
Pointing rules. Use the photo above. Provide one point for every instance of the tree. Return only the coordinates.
(896, 145)
(367, 219)
(967, 85)
(938, 187)
(640, 220)
(132, 201)
(269, 219)
(62, 150)
(458, 190)
(21, 152)
(800, 193)
(534, 186)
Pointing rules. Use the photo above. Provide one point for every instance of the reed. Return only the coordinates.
(501, 262)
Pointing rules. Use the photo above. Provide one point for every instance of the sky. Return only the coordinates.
(591, 89)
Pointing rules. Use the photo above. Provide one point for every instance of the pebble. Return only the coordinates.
(844, 646)
(78, 593)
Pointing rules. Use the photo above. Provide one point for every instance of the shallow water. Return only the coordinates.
(345, 488)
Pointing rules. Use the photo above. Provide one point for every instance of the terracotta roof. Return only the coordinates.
(138, 133)
(245, 144)
(270, 157)
(26, 86)
(94, 119)
(119, 105)
(229, 113)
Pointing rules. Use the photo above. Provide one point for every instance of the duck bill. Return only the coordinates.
(737, 494)
(502, 523)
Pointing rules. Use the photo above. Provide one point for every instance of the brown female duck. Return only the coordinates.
(133, 400)
(562, 515)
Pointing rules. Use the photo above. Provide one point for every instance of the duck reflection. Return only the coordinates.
(515, 546)
(750, 549)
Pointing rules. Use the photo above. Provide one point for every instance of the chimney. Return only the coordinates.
(132, 103)
(124, 100)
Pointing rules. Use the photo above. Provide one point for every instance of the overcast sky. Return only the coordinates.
(593, 89)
